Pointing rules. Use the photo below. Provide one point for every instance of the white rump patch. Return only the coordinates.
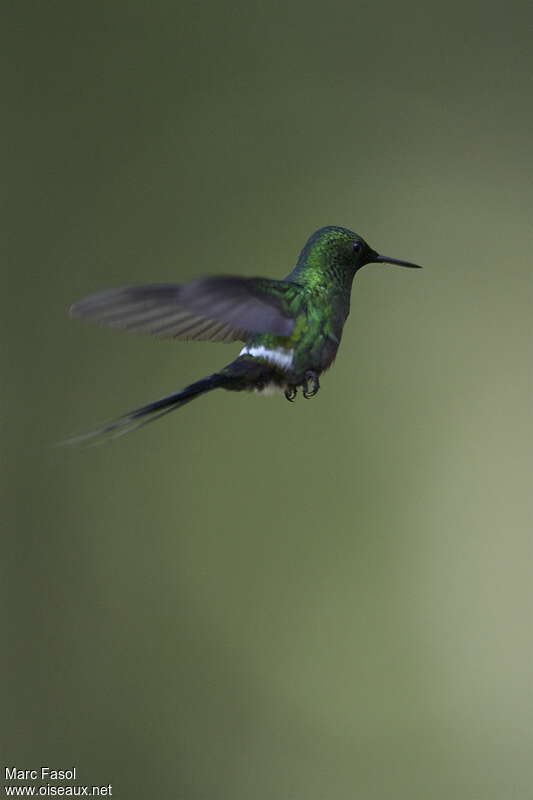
(278, 356)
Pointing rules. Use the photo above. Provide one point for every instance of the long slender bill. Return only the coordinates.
(387, 260)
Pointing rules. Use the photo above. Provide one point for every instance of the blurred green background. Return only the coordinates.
(253, 600)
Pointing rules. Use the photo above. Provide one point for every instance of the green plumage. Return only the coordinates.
(291, 328)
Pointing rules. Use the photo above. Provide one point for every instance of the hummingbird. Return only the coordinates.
(291, 329)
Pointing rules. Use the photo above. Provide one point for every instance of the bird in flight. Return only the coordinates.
(291, 328)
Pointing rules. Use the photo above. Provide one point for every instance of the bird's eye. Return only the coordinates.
(357, 247)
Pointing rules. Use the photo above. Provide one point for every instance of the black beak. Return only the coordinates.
(387, 260)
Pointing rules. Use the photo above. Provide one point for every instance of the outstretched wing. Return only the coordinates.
(221, 308)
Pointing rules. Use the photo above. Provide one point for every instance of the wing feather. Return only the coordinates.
(218, 308)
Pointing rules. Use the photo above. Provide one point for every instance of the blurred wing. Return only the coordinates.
(218, 309)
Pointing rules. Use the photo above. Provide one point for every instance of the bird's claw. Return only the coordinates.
(310, 378)
(290, 393)
(310, 386)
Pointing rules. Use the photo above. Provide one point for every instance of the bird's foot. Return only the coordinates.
(290, 393)
(311, 384)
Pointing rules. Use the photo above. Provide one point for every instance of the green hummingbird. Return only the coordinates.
(291, 328)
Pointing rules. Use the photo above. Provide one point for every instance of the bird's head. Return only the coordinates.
(333, 248)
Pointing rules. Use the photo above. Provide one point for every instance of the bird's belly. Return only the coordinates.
(287, 360)
(318, 356)
(327, 354)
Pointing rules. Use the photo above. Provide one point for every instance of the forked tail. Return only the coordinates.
(152, 411)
